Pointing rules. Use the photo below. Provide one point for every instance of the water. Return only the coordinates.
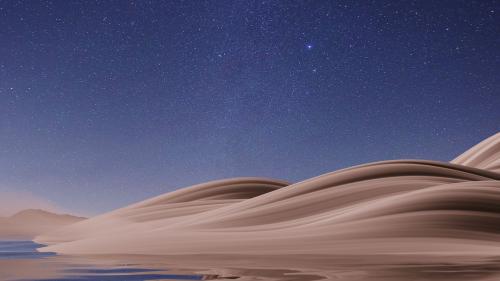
(21, 250)
(20, 261)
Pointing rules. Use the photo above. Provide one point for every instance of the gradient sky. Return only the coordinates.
(103, 103)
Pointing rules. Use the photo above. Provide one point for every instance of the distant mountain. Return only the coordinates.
(27, 224)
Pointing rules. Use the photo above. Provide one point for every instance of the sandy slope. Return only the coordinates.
(484, 155)
(27, 224)
(405, 207)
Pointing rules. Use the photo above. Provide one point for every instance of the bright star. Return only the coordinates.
(309, 46)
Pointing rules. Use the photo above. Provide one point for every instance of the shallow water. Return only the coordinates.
(19, 261)
(21, 250)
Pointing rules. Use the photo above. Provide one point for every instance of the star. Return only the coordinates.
(309, 46)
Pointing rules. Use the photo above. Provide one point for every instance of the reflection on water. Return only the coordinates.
(20, 261)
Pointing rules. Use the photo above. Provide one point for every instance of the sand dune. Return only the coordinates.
(27, 224)
(485, 155)
(389, 207)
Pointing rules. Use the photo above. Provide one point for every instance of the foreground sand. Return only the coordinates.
(27, 224)
(409, 208)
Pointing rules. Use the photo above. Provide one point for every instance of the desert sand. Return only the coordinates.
(27, 224)
(398, 207)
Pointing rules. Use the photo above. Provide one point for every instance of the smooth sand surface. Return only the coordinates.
(402, 207)
(27, 224)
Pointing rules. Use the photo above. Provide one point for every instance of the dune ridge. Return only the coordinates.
(387, 207)
(484, 155)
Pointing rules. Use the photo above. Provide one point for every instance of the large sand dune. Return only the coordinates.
(389, 207)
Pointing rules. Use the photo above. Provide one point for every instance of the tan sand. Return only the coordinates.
(403, 207)
(27, 224)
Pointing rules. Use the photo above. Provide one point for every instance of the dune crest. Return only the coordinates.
(484, 155)
(389, 207)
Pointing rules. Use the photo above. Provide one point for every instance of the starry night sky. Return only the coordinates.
(104, 103)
